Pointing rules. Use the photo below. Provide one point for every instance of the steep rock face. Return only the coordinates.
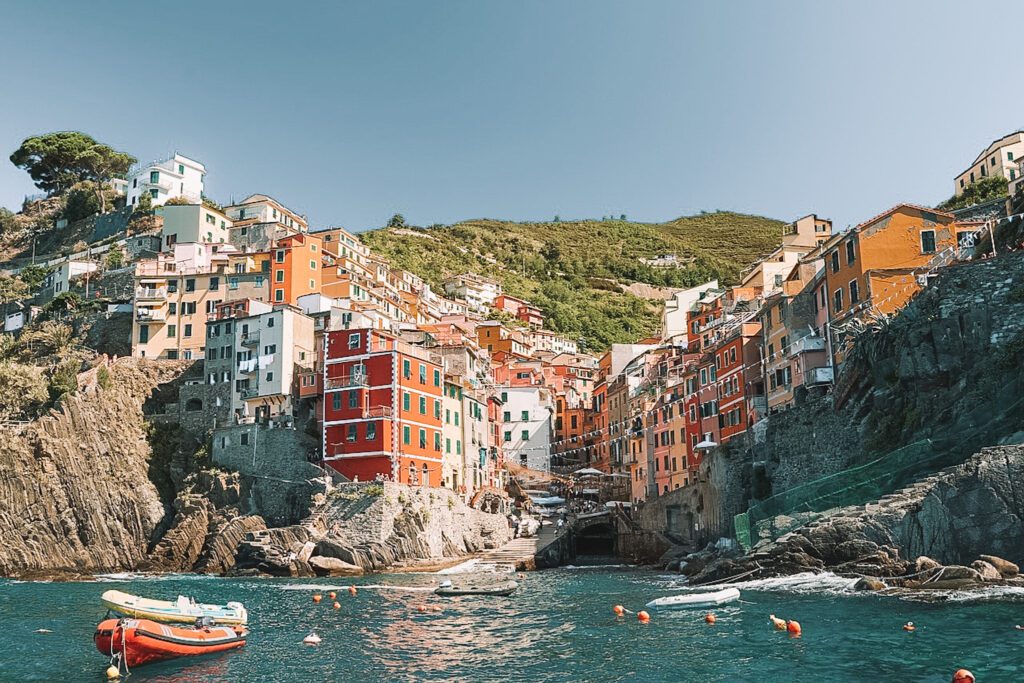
(74, 492)
(970, 515)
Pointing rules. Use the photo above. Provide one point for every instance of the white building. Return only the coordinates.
(478, 292)
(452, 456)
(546, 340)
(177, 176)
(265, 350)
(59, 281)
(185, 223)
(526, 426)
(674, 315)
(1000, 158)
(261, 208)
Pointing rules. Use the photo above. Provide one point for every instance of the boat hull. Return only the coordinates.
(181, 612)
(696, 600)
(500, 590)
(141, 641)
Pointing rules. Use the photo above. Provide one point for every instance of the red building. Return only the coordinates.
(382, 408)
(738, 368)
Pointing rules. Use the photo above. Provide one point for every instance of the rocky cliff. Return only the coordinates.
(957, 516)
(75, 491)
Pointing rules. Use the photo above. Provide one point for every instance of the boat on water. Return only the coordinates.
(142, 641)
(696, 600)
(182, 611)
(502, 588)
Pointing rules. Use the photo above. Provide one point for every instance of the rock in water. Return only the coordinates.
(332, 566)
(986, 570)
(1007, 569)
(868, 583)
(924, 563)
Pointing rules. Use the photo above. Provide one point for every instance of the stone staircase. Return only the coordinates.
(518, 554)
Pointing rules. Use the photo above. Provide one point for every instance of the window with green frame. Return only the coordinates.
(437, 378)
(423, 405)
(406, 400)
(525, 436)
(406, 435)
(154, 176)
(437, 441)
(508, 436)
(437, 409)
(447, 445)
(456, 419)
(458, 447)
(524, 416)
(406, 369)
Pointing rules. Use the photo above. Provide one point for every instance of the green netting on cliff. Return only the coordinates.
(799, 506)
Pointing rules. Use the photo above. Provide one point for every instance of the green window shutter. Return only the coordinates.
(406, 435)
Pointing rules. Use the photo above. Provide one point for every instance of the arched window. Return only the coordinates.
(193, 405)
(412, 473)
(426, 475)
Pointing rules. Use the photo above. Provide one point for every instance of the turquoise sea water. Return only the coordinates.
(558, 627)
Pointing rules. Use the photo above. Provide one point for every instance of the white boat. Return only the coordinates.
(688, 600)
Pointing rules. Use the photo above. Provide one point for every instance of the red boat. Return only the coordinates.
(143, 641)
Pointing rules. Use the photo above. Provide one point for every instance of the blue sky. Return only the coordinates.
(350, 112)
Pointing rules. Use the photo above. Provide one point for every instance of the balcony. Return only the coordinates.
(150, 293)
(250, 339)
(807, 344)
(377, 412)
(150, 315)
(249, 394)
(347, 381)
(819, 376)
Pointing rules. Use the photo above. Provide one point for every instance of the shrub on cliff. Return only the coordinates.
(23, 391)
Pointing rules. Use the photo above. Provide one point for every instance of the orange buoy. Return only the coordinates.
(337, 605)
(332, 595)
(619, 610)
(352, 590)
(963, 676)
(909, 626)
(421, 609)
(643, 617)
(779, 624)
(316, 597)
(437, 608)
(709, 618)
(793, 627)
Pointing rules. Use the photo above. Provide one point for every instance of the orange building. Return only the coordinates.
(881, 264)
(295, 268)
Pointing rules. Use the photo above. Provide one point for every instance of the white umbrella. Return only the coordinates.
(588, 472)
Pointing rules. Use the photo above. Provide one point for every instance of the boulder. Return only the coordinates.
(953, 572)
(332, 566)
(986, 570)
(868, 583)
(924, 563)
(306, 551)
(1006, 569)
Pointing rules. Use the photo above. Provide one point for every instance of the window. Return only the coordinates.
(525, 435)
(406, 400)
(837, 300)
(423, 373)
(423, 405)
(172, 308)
(371, 431)
(524, 416)
(508, 436)
(778, 279)
(312, 265)
(458, 447)
(154, 176)
(927, 241)
(456, 419)
(270, 322)
(279, 256)
(172, 331)
(353, 399)
(210, 219)
(835, 261)
(854, 292)
(437, 378)
(1009, 157)
(336, 401)
(406, 438)
(423, 438)
(188, 308)
(437, 409)
(190, 284)
(504, 397)
(849, 253)
(353, 341)
(437, 441)
(447, 445)
(278, 275)
(350, 436)
(233, 283)
(506, 416)
(144, 333)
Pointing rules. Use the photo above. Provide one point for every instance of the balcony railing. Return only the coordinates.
(819, 376)
(250, 339)
(807, 344)
(150, 293)
(249, 393)
(146, 315)
(347, 381)
(377, 412)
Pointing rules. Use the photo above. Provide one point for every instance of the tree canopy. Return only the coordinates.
(57, 161)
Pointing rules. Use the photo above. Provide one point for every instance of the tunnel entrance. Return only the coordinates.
(595, 543)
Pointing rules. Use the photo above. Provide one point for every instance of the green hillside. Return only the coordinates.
(573, 269)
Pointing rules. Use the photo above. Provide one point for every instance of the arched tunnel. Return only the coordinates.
(595, 540)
